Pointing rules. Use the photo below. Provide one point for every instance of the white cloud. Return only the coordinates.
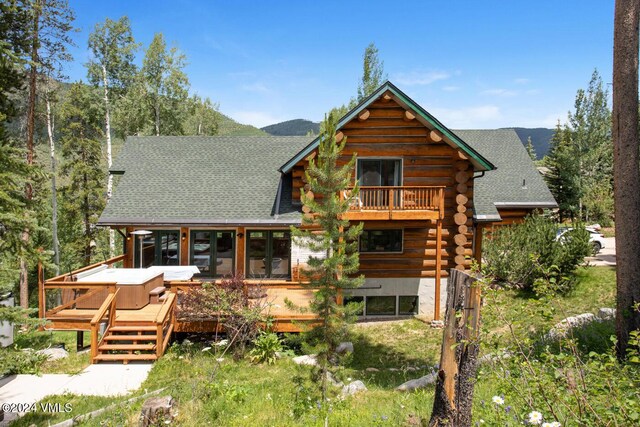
(258, 119)
(522, 81)
(482, 116)
(255, 87)
(499, 92)
(417, 78)
(451, 88)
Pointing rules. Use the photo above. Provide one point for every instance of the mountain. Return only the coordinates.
(297, 127)
(229, 127)
(540, 138)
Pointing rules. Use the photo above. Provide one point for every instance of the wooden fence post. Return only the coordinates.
(459, 357)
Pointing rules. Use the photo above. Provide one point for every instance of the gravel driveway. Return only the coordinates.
(607, 256)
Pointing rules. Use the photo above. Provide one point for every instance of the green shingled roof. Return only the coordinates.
(515, 183)
(202, 181)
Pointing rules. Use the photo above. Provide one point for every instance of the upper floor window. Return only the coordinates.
(379, 172)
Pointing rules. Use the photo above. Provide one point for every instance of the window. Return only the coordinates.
(381, 306)
(161, 247)
(379, 172)
(269, 253)
(213, 252)
(407, 304)
(381, 241)
(355, 299)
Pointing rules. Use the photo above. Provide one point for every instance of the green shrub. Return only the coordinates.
(15, 361)
(529, 256)
(265, 348)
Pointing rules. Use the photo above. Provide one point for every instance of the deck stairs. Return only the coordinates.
(123, 342)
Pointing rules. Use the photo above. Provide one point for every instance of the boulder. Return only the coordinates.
(307, 359)
(156, 411)
(353, 388)
(606, 313)
(561, 329)
(344, 347)
(416, 384)
(54, 353)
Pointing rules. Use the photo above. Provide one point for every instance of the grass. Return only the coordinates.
(238, 393)
(39, 340)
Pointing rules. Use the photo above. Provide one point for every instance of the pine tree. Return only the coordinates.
(531, 150)
(81, 128)
(113, 47)
(563, 173)
(332, 273)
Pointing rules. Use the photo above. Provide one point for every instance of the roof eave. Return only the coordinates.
(193, 222)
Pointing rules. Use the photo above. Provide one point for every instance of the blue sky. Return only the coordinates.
(473, 64)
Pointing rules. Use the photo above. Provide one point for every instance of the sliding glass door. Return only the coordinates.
(268, 253)
(161, 247)
(213, 252)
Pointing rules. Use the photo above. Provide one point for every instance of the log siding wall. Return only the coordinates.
(387, 132)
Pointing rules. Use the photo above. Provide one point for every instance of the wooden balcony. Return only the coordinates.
(396, 203)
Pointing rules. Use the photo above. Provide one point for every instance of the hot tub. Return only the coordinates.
(134, 285)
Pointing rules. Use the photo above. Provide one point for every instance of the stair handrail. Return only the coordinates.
(108, 304)
(165, 313)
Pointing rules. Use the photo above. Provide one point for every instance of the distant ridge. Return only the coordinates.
(540, 138)
(229, 127)
(296, 127)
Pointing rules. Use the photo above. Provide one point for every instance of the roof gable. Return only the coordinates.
(479, 162)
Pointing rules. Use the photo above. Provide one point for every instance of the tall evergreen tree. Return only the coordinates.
(166, 85)
(563, 172)
(626, 169)
(332, 273)
(531, 151)
(372, 72)
(112, 47)
(81, 128)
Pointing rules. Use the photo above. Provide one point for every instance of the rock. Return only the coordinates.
(332, 380)
(344, 347)
(561, 329)
(393, 370)
(606, 313)
(416, 384)
(353, 388)
(54, 353)
(156, 411)
(307, 359)
(411, 369)
(372, 370)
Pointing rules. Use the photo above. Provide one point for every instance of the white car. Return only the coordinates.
(595, 237)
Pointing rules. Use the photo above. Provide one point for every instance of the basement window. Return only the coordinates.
(381, 306)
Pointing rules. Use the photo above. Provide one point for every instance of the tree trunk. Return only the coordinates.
(626, 169)
(157, 111)
(54, 188)
(107, 131)
(31, 124)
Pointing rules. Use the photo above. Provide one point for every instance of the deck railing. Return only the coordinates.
(165, 321)
(404, 198)
(108, 310)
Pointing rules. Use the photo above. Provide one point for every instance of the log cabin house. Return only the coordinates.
(226, 204)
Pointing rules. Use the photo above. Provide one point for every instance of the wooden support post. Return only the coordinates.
(458, 360)
(79, 340)
(130, 246)
(41, 296)
(477, 243)
(184, 246)
(241, 239)
(436, 301)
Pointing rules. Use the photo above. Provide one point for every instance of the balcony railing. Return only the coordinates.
(406, 202)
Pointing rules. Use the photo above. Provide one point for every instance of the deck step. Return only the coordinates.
(133, 328)
(131, 337)
(127, 347)
(125, 357)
